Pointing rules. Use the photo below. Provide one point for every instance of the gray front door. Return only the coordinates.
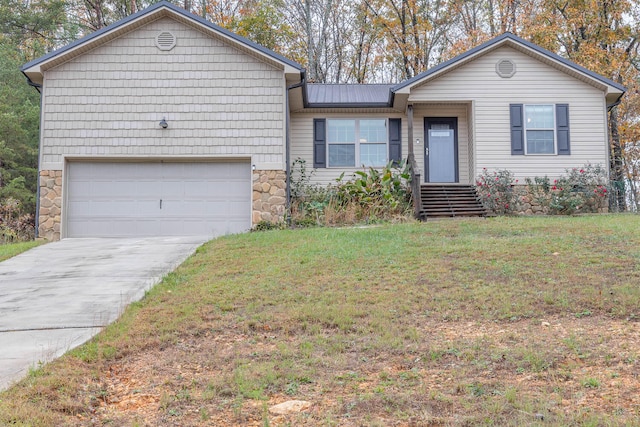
(441, 149)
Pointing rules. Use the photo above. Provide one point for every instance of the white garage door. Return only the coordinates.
(157, 199)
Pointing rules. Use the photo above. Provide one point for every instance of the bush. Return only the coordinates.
(15, 225)
(17, 190)
(497, 192)
(267, 225)
(581, 190)
(308, 201)
(370, 195)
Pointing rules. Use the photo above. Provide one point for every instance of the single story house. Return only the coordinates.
(166, 124)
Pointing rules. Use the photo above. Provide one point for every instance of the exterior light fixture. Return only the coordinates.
(253, 167)
(164, 124)
(417, 140)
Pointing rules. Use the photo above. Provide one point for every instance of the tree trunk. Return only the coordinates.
(311, 63)
(618, 200)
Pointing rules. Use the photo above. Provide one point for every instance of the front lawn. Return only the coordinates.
(505, 321)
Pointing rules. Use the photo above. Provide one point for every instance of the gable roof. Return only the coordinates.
(396, 95)
(33, 69)
(509, 39)
(317, 95)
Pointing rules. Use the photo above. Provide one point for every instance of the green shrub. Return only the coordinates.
(308, 201)
(268, 225)
(581, 190)
(497, 191)
(15, 225)
(372, 195)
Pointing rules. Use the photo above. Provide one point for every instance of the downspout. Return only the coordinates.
(37, 212)
(615, 104)
(302, 83)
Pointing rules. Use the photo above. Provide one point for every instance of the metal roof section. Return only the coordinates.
(348, 95)
(514, 41)
(34, 68)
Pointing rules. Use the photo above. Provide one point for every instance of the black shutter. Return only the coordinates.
(319, 143)
(517, 129)
(562, 128)
(395, 140)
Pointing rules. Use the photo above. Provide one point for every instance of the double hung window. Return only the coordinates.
(539, 129)
(357, 142)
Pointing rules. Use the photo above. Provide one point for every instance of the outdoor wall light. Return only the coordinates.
(164, 124)
(417, 140)
(253, 167)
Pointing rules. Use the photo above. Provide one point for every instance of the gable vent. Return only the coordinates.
(505, 68)
(165, 40)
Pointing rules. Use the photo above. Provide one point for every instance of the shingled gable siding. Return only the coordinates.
(219, 102)
(533, 83)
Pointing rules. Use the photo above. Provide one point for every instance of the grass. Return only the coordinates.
(506, 321)
(12, 249)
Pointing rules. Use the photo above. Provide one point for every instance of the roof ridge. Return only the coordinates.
(497, 40)
(154, 7)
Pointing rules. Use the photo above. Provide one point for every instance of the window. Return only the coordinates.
(341, 136)
(352, 142)
(539, 124)
(541, 129)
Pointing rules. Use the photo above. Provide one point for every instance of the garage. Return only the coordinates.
(129, 199)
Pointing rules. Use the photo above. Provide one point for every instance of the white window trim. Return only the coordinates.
(554, 129)
(357, 141)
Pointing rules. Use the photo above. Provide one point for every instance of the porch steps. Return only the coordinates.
(451, 200)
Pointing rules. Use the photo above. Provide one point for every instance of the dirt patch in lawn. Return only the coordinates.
(556, 370)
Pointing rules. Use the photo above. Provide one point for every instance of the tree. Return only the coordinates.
(36, 27)
(414, 31)
(365, 46)
(601, 35)
(19, 120)
(262, 21)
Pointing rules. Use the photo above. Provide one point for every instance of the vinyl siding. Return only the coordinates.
(533, 83)
(302, 141)
(218, 101)
(302, 137)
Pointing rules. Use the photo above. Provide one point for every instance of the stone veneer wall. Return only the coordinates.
(531, 205)
(50, 204)
(269, 196)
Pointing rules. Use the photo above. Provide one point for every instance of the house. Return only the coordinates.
(166, 124)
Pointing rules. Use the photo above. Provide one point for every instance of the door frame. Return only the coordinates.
(441, 120)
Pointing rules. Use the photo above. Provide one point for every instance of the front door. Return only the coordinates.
(441, 149)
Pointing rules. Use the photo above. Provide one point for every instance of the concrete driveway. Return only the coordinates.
(57, 296)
